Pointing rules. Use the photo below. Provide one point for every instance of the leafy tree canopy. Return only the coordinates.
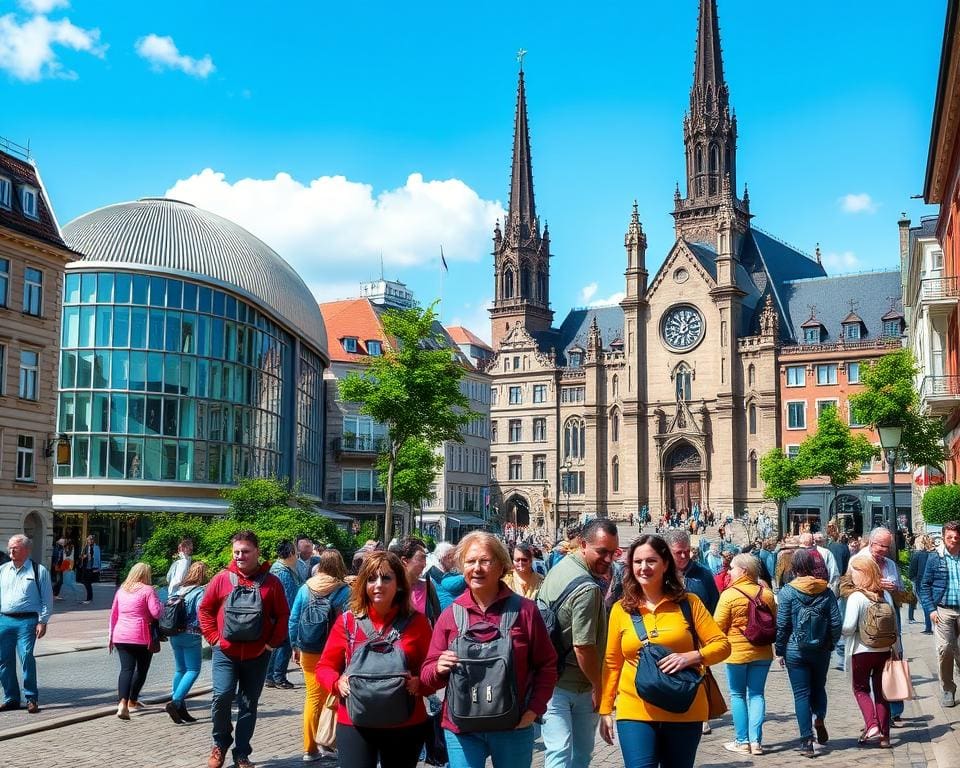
(941, 504)
(833, 452)
(780, 475)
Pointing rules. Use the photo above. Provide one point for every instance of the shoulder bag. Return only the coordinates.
(896, 683)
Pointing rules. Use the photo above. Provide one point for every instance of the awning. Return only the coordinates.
(96, 502)
(468, 519)
(330, 515)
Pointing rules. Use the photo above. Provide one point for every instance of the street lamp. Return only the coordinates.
(567, 466)
(890, 437)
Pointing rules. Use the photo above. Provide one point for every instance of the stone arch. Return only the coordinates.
(753, 469)
(525, 281)
(518, 510)
(683, 381)
(614, 425)
(615, 475)
(753, 418)
(751, 375)
(574, 438)
(508, 283)
(683, 457)
(615, 386)
(35, 528)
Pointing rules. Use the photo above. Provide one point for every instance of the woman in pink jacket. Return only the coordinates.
(135, 608)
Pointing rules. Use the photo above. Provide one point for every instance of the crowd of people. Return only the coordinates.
(470, 654)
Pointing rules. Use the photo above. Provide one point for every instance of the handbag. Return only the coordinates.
(673, 693)
(154, 646)
(327, 725)
(895, 683)
(716, 704)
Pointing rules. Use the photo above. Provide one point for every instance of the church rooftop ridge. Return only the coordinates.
(861, 273)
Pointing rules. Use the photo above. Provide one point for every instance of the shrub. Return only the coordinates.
(941, 504)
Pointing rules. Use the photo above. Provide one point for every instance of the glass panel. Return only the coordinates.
(216, 338)
(187, 384)
(101, 404)
(98, 457)
(174, 294)
(121, 288)
(85, 370)
(173, 331)
(104, 326)
(81, 446)
(71, 327)
(138, 328)
(187, 417)
(200, 462)
(231, 341)
(216, 370)
(83, 412)
(227, 474)
(121, 326)
(137, 420)
(117, 445)
(204, 299)
(141, 286)
(228, 382)
(118, 414)
(213, 463)
(120, 370)
(134, 458)
(88, 288)
(187, 334)
(156, 322)
(158, 290)
(190, 296)
(153, 415)
(231, 312)
(169, 464)
(67, 413)
(171, 414)
(68, 370)
(154, 372)
(101, 369)
(203, 377)
(219, 300)
(138, 371)
(151, 459)
(105, 288)
(185, 463)
(71, 289)
(203, 336)
(87, 320)
(171, 374)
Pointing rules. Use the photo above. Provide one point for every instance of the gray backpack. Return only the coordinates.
(482, 690)
(243, 611)
(378, 674)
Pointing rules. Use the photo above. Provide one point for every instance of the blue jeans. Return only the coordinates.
(186, 657)
(230, 678)
(658, 745)
(507, 749)
(569, 729)
(747, 704)
(279, 662)
(17, 638)
(808, 679)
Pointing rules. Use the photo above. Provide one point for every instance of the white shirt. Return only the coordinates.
(833, 573)
(178, 571)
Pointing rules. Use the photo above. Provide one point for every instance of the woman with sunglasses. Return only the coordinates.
(523, 579)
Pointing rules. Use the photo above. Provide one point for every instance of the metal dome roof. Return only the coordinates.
(170, 236)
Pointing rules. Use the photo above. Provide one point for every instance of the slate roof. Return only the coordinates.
(832, 296)
(746, 282)
(925, 230)
(45, 227)
(575, 329)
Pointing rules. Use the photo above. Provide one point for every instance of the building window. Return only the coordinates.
(615, 386)
(936, 258)
(797, 415)
(867, 465)
(25, 459)
(572, 394)
(796, 375)
(360, 486)
(576, 359)
(29, 372)
(493, 467)
(539, 430)
(793, 451)
(362, 433)
(493, 395)
(493, 431)
(516, 398)
(349, 344)
(822, 406)
(4, 280)
(751, 375)
(826, 374)
(516, 468)
(32, 291)
(615, 475)
(856, 419)
(753, 469)
(615, 426)
(811, 335)
(539, 393)
(684, 383)
(752, 418)
(28, 198)
(374, 349)
(5, 188)
(539, 466)
(853, 373)
(574, 446)
(852, 331)
(516, 431)
(892, 328)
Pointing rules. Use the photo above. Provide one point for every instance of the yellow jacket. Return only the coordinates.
(731, 617)
(665, 625)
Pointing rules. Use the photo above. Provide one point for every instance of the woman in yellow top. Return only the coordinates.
(652, 589)
(523, 579)
(748, 664)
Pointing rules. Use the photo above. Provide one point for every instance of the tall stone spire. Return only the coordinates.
(521, 252)
(710, 139)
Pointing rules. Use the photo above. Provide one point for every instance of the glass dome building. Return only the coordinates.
(192, 356)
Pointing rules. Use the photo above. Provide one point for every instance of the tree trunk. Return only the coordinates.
(388, 511)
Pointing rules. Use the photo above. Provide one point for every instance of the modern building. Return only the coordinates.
(461, 492)
(842, 324)
(193, 356)
(33, 255)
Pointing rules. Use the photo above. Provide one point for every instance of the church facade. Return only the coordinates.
(668, 400)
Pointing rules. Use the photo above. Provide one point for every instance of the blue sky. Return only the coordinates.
(337, 132)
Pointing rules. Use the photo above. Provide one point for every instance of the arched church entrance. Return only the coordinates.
(34, 529)
(518, 511)
(684, 474)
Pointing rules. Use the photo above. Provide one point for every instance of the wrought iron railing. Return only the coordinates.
(939, 386)
(933, 288)
(359, 444)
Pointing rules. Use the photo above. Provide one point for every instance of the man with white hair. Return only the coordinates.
(26, 595)
(819, 541)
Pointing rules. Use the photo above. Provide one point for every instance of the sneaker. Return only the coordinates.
(949, 699)
(269, 684)
(732, 746)
(326, 752)
(216, 758)
(822, 736)
(243, 762)
(311, 757)
(32, 707)
(706, 730)
(285, 684)
(756, 749)
(807, 749)
(174, 712)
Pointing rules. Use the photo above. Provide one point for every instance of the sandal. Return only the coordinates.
(868, 735)
(884, 742)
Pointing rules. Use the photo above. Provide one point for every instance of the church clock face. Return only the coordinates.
(682, 327)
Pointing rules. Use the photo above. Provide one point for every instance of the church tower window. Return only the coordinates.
(615, 426)
(683, 379)
(508, 284)
(615, 385)
(615, 475)
(752, 418)
(753, 469)
(524, 282)
(574, 434)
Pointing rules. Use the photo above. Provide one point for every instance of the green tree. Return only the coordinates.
(413, 389)
(941, 504)
(780, 475)
(416, 468)
(833, 452)
(889, 397)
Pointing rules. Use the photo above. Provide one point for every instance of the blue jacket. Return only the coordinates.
(933, 584)
(191, 600)
(802, 591)
(338, 592)
(288, 578)
(699, 580)
(450, 587)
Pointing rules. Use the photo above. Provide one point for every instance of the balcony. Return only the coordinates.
(939, 294)
(359, 445)
(939, 395)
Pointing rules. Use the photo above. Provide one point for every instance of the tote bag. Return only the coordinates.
(896, 683)
(327, 725)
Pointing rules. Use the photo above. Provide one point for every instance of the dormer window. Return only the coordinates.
(811, 335)
(576, 358)
(374, 348)
(349, 343)
(851, 331)
(28, 200)
(892, 329)
(5, 187)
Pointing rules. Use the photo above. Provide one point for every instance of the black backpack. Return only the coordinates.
(173, 617)
(549, 612)
(243, 611)
(812, 627)
(378, 674)
(316, 619)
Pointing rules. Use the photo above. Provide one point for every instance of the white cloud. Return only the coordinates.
(27, 49)
(588, 292)
(611, 300)
(858, 203)
(474, 317)
(333, 230)
(846, 261)
(43, 6)
(162, 53)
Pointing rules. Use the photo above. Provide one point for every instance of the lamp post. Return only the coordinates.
(890, 437)
(567, 465)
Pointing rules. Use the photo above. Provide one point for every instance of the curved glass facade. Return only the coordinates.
(172, 380)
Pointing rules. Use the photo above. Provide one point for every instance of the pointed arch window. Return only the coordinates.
(508, 284)
(751, 375)
(541, 286)
(615, 425)
(752, 418)
(524, 282)
(753, 469)
(615, 474)
(574, 434)
(683, 379)
(615, 385)
(714, 167)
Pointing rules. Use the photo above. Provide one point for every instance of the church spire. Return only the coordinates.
(523, 214)
(708, 69)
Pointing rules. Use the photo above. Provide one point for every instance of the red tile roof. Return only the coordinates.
(44, 227)
(351, 318)
(461, 335)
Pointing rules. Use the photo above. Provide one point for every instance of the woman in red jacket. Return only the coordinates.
(380, 598)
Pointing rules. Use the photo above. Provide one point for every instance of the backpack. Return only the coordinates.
(761, 626)
(173, 617)
(812, 627)
(877, 624)
(243, 611)
(316, 619)
(378, 674)
(550, 613)
(482, 689)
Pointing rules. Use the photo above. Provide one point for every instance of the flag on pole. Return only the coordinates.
(443, 261)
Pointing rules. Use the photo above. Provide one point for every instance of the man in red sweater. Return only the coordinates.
(241, 663)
